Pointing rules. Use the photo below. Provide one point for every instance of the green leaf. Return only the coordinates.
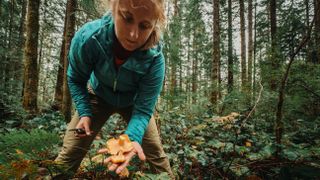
(216, 144)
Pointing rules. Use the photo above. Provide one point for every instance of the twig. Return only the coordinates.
(254, 107)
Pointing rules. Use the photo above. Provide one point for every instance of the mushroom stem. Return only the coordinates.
(121, 140)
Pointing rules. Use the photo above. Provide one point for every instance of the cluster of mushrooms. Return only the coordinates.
(117, 148)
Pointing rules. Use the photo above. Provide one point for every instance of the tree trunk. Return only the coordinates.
(216, 53)
(173, 61)
(254, 51)
(0, 8)
(250, 46)
(279, 123)
(71, 20)
(3, 55)
(58, 95)
(308, 57)
(243, 47)
(230, 48)
(8, 64)
(30, 58)
(317, 29)
(273, 30)
(194, 68)
(18, 64)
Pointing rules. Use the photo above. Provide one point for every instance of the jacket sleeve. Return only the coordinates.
(79, 70)
(149, 89)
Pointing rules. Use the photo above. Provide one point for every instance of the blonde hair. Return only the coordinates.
(155, 35)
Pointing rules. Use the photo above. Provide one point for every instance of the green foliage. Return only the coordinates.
(22, 151)
(204, 148)
(50, 122)
(36, 145)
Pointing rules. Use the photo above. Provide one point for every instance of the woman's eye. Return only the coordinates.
(144, 26)
(127, 19)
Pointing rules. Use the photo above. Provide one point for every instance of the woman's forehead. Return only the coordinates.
(146, 7)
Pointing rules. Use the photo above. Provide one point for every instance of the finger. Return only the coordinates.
(104, 150)
(140, 153)
(113, 167)
(80, 135)
(87, 129)
(107, 160)
(126, 163)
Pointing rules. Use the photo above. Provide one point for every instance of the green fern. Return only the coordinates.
(34, 145)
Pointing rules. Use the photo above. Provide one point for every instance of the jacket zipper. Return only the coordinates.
(115, 79)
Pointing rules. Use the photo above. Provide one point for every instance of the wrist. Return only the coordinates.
(85, 118)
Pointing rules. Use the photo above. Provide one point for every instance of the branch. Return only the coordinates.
(255, 106)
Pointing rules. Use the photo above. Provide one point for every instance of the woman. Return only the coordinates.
(120, 59)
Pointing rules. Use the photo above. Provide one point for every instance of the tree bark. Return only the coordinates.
(0, 8)
(58, 95)
(18, 64)
(173, 61)
(250, 46)
(254, 51)
(230, 48)
(71, 20)
(216, 53)
(8, 64)
(31, 76)
(194, 68)
(243, 46)
(317, 29)
(273, 31)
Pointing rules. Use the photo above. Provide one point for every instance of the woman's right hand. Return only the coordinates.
(84, 123)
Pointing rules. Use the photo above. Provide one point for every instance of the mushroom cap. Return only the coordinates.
(122, 144)
(118, 158)
(113, 146)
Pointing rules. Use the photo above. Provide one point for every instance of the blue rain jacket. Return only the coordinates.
(138, 81)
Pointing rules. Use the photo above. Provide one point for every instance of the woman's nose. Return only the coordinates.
(134, 33)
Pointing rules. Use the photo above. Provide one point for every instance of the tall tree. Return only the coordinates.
(175, 50)
(243, 46)
(273, 31)
(230, 48)
(71, 22)
(58, 95)
(31, 76)
(250, 44)
(18, 64)
(216, 53)
(317, 28)
(8, 64)
(0, 7)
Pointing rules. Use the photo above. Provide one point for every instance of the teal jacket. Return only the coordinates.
(137, 83)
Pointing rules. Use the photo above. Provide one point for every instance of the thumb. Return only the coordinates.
(87, 128)
(139, 151)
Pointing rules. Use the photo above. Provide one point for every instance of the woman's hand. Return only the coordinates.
(84, 123)
(137, 149)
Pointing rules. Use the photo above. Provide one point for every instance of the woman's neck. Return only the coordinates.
(119, 51)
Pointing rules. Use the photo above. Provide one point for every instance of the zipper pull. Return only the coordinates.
(114, 85)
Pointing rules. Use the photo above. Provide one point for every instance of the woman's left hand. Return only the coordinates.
(137, 149)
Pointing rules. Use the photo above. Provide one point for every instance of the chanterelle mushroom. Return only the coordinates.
(123, 145)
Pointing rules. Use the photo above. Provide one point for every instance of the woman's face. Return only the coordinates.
(134, 22)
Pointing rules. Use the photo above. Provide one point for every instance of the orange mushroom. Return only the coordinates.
(122, 144)
(117, 148)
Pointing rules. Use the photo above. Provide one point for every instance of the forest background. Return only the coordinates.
(241, 97)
